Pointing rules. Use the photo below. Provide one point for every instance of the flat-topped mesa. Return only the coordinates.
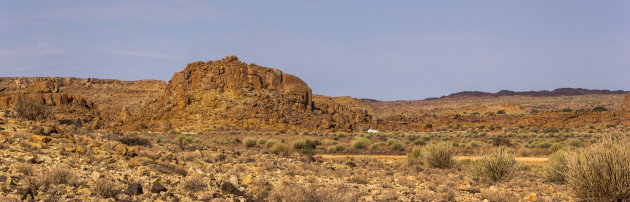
(231, 74)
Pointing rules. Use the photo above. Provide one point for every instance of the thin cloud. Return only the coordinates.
(137, 54)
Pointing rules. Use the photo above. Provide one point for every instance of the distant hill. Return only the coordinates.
(542, 93)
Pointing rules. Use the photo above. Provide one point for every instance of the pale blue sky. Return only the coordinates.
(386, 50)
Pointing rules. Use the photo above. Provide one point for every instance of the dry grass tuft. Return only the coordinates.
(439, 155)
(105, 188)
(600, 172)
(193, 184)
(556, 167)
(497, 165)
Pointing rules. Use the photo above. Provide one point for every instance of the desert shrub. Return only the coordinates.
(291, 192)
(134, 140)
(270, 143)
(336, 148)
(160, 138)
(439, 155)
(30, 108)
(26, 169)
(250, 142)
(105, 188)
(524, 152)
(186, 139)
(566, 110)
(556, 146)
(377, 145)
(551, 130)
(600, 172)
(419, 142)
(262, 141)
(574, 143)
(600, 109)
(60, 175)
(360, 143)
(279, 148)
(305, 144)
(396, 146)
(193, 183)
(556, 167)
(501, 112)
(415, 156)
(498, 195)
(497, 165)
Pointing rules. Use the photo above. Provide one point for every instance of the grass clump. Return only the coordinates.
(556, 167)
(270, 143)
(250, 142)
(105, 188)
(135, 140)
(193, 183)
(439, 155)
(279, 148)
(415, 156)
(497, 165)
(336, 148)
(600, 172)
(360, 143)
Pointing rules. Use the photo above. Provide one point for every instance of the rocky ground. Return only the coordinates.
(51, 162)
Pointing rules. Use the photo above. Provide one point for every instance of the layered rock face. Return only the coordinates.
(230, 94)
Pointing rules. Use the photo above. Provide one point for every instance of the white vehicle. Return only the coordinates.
(372, 131)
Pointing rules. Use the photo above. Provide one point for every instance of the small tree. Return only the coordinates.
(31, 108)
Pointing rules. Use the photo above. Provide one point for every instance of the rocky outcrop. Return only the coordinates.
(230, 94)
(95, 103)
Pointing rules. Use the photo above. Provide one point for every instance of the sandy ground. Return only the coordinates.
(536, 161)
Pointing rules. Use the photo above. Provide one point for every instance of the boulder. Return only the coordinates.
(157, 187)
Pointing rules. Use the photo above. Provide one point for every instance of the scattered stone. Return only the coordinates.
(134, 189)
(157, 187)
(228, 188)
(26, 193)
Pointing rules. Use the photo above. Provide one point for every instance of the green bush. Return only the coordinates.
(360, 143)
(250, 142)
(439, 155)
(600, 172)
(496, 165)
(262, 141)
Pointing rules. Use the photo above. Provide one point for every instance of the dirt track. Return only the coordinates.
(537, 161)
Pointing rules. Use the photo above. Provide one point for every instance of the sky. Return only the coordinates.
(386, 50)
